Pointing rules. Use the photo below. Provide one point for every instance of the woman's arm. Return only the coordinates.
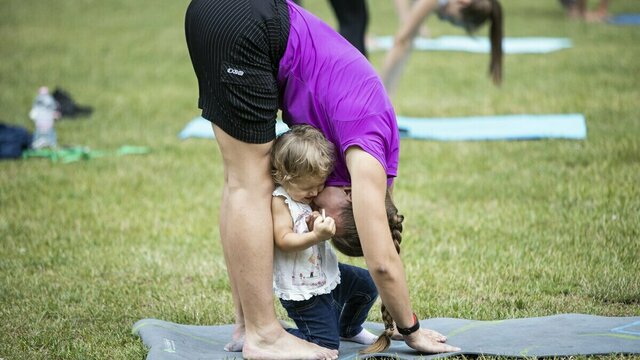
(286, 239)
(368, 188)
(402, 45)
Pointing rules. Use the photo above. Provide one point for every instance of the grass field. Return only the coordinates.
(494, 230)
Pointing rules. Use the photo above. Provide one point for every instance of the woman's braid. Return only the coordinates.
(395, 224)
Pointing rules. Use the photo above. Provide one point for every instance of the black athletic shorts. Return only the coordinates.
(236, 47)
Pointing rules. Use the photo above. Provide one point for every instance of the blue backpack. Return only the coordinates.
(13, 141)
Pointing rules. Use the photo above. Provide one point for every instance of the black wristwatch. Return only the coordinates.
(412, 329)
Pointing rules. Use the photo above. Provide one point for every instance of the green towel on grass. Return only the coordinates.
(77, 153)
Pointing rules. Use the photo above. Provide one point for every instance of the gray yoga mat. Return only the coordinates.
(557, 335)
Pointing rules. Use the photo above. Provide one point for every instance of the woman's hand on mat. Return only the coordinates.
(434, 335)
(429, 341)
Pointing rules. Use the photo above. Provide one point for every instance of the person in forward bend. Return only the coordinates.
(252, 58)
(468, 14)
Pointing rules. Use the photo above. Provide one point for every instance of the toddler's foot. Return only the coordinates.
(364, 337)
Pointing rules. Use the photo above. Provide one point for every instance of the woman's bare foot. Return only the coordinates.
(277, 343)
(234, 346)
(237, 340)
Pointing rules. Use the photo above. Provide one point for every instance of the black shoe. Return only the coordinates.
(68, 107)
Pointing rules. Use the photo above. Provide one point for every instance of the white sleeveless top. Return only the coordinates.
(301, 275)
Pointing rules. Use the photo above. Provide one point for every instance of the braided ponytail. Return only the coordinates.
(395, 224)
(384, 340)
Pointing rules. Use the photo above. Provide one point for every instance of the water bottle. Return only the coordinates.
(44, 112)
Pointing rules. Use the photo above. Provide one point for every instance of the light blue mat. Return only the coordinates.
(549, 336)
(505, 127)
(625, 19)
(510, 45)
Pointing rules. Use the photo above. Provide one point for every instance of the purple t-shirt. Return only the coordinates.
(327, 83)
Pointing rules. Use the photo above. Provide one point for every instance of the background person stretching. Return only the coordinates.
(469, 14)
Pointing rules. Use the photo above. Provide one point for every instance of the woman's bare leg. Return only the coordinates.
(246, 231)
(237, 338)
(403, 8)
(397, 57)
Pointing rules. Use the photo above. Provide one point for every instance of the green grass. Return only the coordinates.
(494, 229)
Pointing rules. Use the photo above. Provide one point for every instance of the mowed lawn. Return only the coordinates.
(493, 230)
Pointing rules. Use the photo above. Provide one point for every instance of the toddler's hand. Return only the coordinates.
(324, 227)
(311, 219)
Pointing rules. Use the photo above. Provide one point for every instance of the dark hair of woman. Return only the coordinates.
(474, 15)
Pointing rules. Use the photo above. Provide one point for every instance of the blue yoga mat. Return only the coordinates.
(505, 127)
(524, 45)
(626, 19)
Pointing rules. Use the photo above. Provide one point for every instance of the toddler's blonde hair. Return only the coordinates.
(299, 153)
